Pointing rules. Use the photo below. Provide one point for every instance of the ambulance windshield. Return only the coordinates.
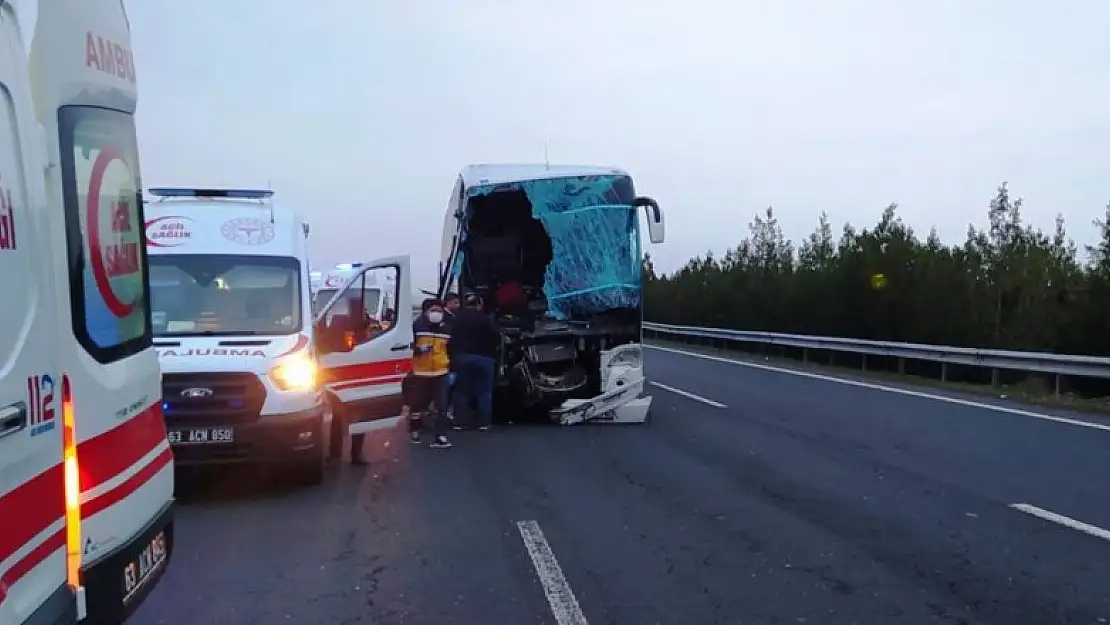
(224, 295)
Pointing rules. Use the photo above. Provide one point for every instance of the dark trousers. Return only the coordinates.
(473, 388)
(420, 392)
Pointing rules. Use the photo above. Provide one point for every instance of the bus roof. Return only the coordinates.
(494, 174)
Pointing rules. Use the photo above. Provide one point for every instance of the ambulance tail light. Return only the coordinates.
(72, 487)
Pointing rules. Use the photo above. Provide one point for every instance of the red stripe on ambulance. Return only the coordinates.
(31, 508)
(364, 371)
(40, 502)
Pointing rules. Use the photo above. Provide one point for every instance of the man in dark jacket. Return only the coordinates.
(474, 344)
(451, 306)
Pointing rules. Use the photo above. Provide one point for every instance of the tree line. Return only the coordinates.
(1008, 286)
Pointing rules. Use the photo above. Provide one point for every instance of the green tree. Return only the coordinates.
(1008, 285)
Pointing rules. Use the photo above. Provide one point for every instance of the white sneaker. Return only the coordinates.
(440, 442)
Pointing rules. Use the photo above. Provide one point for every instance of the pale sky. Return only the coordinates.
(361, 112)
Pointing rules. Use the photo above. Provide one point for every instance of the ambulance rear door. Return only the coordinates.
(362, 362)
(32, 486)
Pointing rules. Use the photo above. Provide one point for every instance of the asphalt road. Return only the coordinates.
(785, 500)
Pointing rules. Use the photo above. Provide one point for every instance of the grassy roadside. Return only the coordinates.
(1027, 393)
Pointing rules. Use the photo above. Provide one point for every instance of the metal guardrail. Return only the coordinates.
(1040, 362)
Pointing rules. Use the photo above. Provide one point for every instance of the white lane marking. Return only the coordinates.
(1048, 515)
(559, 595)
(892, 389)
(692, 396)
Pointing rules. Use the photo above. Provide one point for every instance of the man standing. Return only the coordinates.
(451, 306)
(428, 383)
(475, 342)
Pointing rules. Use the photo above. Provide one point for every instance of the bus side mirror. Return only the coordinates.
(338, 337)
(657, 231)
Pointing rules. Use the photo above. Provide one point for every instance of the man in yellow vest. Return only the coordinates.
(428, 382)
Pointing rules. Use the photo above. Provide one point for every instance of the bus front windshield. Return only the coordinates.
(224, 295)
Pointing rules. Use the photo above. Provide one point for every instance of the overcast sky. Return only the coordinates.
(361, 112)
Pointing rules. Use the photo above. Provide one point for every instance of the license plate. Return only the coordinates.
(201, 436)
(140, 570)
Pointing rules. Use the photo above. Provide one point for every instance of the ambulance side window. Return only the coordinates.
(101, 189)
(366, 300)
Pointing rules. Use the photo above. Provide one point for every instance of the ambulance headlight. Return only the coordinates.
(295, 373)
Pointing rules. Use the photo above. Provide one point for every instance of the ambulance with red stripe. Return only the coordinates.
(86, 473)
(365, 352)
(232, 317)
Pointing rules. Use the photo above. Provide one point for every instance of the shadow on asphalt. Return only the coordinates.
(239, 484)
(225, 484)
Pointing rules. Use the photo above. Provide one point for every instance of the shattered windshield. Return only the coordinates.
(595, 238)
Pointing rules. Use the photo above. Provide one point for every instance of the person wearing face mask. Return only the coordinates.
(428, 382)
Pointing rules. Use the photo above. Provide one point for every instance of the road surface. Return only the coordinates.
(752, 497)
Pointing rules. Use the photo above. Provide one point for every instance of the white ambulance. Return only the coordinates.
(86, 473)
(232, 321)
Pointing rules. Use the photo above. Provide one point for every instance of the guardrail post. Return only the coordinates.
(901, 366)
(943, 372)
(1057, 382)
(994, 377)
(805, 355)
(863, 359)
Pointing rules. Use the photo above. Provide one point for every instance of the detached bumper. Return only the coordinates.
(283, 438)
(117, 583)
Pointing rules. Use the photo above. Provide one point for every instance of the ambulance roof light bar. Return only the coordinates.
(259, 195)
(234, 194)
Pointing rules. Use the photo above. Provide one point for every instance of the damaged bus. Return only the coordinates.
(555, 252)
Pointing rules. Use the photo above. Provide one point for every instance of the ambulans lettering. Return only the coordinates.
(109, 57)
(168, 231)
(7, 220)
(40, 402)
(216, 351)
(112, 226)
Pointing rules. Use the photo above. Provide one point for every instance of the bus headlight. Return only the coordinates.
(295, 373)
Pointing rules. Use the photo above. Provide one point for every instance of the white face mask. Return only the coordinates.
(435, 316)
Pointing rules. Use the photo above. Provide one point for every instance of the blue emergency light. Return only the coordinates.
(237, 194)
